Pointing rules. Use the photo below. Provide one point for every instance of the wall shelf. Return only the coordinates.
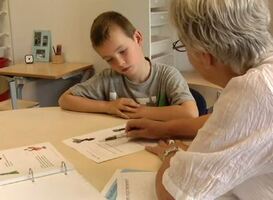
(5, 30)
(2, 13)
(160, 47)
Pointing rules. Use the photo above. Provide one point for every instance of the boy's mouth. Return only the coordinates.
(125, 69)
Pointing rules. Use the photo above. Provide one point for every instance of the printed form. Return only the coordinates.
(96, 147)
(136, 185)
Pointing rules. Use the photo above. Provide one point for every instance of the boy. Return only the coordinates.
(133, 87)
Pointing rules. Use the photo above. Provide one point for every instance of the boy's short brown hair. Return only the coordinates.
(103, 23)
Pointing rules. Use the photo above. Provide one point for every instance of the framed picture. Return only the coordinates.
(41, 48)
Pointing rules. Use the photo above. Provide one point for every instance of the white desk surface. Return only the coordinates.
(36, 125)
(194, 78)
(44, 70)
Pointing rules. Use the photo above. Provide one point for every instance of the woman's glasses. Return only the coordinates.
(179, 46)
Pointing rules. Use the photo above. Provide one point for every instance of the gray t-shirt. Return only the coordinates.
(165, 86)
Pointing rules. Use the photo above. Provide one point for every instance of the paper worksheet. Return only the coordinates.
(92, 145)
(136, 185)
(39, 171)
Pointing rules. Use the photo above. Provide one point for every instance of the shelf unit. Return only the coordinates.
(6, 51)
(5, 31)
(151, 18)
(161, 38)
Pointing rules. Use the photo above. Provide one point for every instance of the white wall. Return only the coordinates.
(69, 22)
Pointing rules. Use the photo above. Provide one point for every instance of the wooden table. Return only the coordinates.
(7, 104)
(37, 125)
(194, 78)
(21, 73)
(44, 70)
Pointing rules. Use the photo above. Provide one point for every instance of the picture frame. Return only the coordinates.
(41, 48)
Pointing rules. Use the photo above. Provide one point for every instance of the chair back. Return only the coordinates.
(200, 102)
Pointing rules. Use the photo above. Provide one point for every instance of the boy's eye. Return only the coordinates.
(109, 60)
(122, 51)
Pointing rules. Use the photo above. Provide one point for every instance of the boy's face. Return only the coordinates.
(123, 54)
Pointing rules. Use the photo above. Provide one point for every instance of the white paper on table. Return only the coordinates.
(58, 186)
(136, 185)
(101, 151)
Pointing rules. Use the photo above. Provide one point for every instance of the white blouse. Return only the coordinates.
(233, 151)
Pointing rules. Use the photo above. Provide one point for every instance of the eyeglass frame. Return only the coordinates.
(180, 48)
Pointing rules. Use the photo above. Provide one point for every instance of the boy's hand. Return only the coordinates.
(140, 112)
(122, 105)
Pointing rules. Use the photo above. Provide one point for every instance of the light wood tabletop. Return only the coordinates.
(52, 124)
(7, 105)
(44, 70)
(194, 78)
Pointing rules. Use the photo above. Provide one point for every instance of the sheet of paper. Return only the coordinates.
(43, 159)
(110, 189)
(136, 185)
(58, 186)
(98, 150)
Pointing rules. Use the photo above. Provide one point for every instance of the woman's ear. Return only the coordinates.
(209, 60)
(138, 37)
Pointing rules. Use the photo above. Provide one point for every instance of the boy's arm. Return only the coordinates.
(187, 109)
(69, 101)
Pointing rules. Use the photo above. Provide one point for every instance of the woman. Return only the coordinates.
(228, 43)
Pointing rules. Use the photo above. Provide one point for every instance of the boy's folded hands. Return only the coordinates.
(122, 106)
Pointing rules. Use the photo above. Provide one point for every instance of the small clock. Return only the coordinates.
(29, 59)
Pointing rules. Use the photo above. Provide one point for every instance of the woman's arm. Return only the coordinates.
(145, 128)
(162, 193)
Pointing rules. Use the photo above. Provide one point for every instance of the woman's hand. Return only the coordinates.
(162, 146)
(146, 128)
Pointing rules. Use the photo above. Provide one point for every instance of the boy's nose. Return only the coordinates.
(120, 61)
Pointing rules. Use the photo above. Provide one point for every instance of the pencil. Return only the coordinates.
(114, 137)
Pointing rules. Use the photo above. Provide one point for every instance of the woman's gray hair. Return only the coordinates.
(234, 31)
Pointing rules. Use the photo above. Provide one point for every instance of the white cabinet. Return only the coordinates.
(159, 18)
(161, 36)
(151, 17)
(158, 3)
(5, 31)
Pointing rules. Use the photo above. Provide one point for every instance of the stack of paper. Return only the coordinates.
(130, 185)
(40, 172)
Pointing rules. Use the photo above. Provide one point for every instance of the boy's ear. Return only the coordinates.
(138, 37)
